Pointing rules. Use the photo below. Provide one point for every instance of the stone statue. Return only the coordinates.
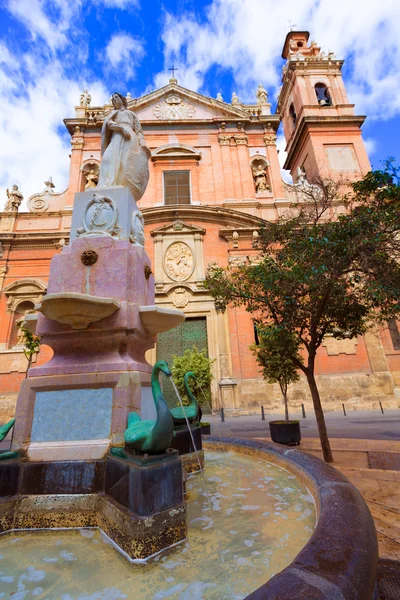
(21, 333)
(137, 228)
(15, 198)
(260, 177)
(219, 97)
(85, 98)
(234, 99)
(92, 177)
(125, 155)
(262, 96)
(301, 177)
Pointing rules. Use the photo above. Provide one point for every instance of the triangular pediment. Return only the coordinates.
(175, 103)
(179, 227)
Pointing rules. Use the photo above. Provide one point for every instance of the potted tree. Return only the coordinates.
(275, 344)
(197, 362)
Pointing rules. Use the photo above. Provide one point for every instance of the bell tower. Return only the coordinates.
(323, 134)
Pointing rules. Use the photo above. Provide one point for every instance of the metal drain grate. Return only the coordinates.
(389, 580)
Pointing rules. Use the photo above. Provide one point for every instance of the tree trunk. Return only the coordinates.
(319, 415)
(285, 399)
(283, 386)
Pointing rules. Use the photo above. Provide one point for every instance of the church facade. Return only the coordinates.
(214, 178)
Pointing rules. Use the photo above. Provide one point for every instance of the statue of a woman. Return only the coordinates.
(124, 152)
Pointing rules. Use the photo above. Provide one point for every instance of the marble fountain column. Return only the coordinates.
(99, 318)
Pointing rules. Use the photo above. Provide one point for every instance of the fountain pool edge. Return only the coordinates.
(340, 560)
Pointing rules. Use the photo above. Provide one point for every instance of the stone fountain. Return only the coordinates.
(79, 457)
(99, 318)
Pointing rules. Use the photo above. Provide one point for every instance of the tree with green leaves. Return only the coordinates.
(272, 354)
(31, 344)
(323, 270)
(199, 363)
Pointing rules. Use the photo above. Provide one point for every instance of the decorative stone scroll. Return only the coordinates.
(238, 139)
(270, 139)
(179, 261)
(99, 218)
(173, 108)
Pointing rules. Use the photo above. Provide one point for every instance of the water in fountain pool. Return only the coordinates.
(260, 517)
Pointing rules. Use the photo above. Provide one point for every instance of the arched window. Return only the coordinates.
(323, 96)
(292, 114)
(15, 338)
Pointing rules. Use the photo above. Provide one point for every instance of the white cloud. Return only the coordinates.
(30, 122)
(124, 51)
(121, 4)
(370, 145)
(32, 14)
(246, 37)
(282, 154)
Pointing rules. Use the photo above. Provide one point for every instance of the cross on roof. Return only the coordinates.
(173, 69)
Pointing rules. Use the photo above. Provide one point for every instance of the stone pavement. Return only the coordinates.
(379, 487)
(362, 425)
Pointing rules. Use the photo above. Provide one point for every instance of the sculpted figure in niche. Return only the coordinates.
(260, 177)
(92, 177)
(15, 198)
(124, 152)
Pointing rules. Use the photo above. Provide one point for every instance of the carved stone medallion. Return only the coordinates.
(100, 217)
(180, 298)
(173, 108)
(179, 261)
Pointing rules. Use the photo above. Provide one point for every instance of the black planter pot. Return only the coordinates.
(206, 429)
(285, 433)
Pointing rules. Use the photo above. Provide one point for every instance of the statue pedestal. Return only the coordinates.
(76, 405)
(138, 505)
(192, 458)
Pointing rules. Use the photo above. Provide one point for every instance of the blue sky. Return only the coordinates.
(51, 49)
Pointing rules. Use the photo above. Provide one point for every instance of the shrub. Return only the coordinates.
(197, 362)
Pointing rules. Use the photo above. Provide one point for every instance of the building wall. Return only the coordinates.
(217, 146)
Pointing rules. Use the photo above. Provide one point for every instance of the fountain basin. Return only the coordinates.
(157, 319)
(77, 310)
(231, 549)
(341, 558)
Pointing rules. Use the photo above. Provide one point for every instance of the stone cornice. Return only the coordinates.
(209, 214)
(92, 117)
(318, 121)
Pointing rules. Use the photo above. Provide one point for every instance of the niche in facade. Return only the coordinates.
(259, 169)
(90, 175)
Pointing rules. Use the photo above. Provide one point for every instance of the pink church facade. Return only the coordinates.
(214, 178)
